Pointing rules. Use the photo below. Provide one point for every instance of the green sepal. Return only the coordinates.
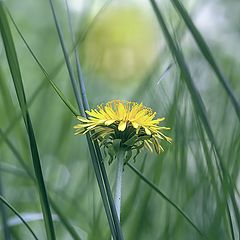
(138, 150)
(131, 141)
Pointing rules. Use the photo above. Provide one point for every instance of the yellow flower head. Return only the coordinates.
(130, 124)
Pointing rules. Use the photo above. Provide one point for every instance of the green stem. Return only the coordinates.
(118, 183)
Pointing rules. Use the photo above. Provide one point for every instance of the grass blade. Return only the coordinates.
(96, 145)
(57, 90)
(105, 193)
(63, 219)
(206, 53)
(5, 202)
(157, 190)
(81, 108)
(66, 57)
(67, 103)
(57, 68)
(198, 106)
(79, 71)
(211, 171)
(64, 99)
(16, 75)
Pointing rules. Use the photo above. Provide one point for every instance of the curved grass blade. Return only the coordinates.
(104, 190)
(4, 201)
(96, 145)
(63, 219)
(18, 84)
(80, 39)
(66, 58)
(81, 108)
(211, 171)
(79, 71)
(200, 110)
(206, 53)
(57, 90)
(64, 99)
(67, 103)
(157, 190)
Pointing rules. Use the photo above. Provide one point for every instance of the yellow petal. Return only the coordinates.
(148, 145)
(140, 114)
(95, 114)
(109, 122)
(133, 112)
(122, 126)
(121, 111)
(82, 119)
(158, 120)
(165, 128)
(138, 129)
(110, 112)
(147, 131)
(135, 124)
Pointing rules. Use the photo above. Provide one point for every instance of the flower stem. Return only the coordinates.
(118, 183)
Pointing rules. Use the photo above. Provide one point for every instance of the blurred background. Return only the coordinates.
(124, 55)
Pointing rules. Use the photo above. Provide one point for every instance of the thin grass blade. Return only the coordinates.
(207, 53)
(96, 145)
(5, 202)
(71, 108)
(198, 106)
(57, 68)
(157, 190)
(57, 210)
(106, 195)
(213, 179)
(17, 79)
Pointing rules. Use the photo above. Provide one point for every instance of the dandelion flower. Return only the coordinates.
(128, 125)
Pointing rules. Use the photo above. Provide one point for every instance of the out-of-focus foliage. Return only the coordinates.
(124, 56)
(123, 44)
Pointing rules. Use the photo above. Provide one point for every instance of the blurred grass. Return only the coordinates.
(17, 79)
(187, 171)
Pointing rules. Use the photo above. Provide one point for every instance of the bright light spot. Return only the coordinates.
(76, 5)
